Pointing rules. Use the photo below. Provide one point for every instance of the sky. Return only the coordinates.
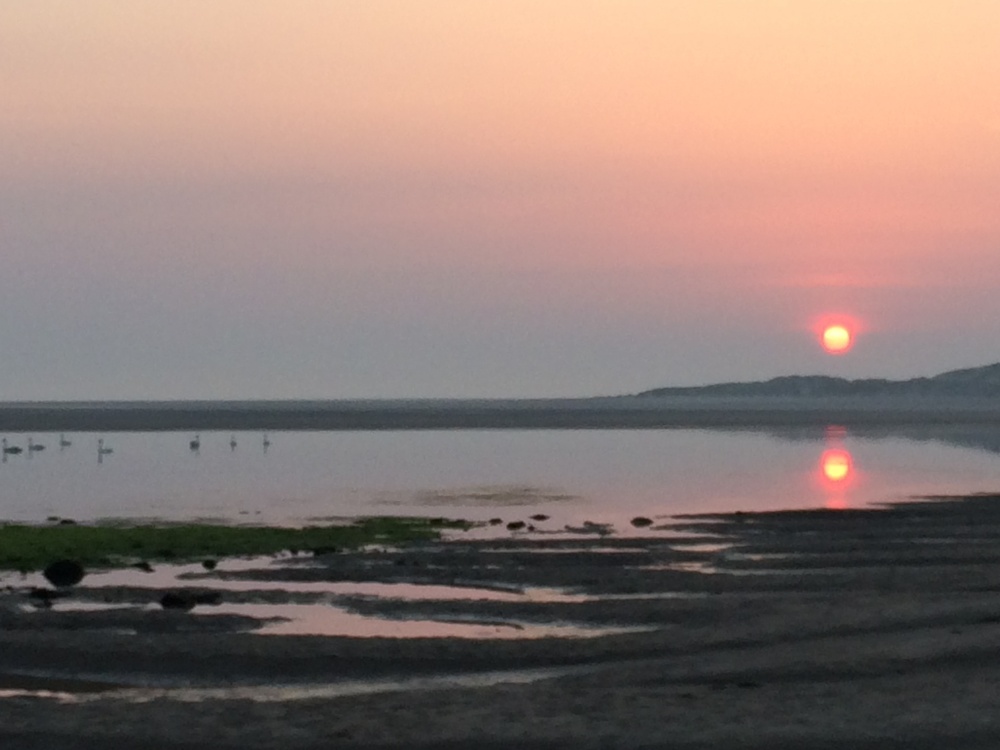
(501, 198)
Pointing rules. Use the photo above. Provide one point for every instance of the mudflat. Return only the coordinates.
(794, 629)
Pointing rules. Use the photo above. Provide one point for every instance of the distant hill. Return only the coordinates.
(974, 381)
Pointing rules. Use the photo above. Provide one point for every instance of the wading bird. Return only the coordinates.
(102, 451)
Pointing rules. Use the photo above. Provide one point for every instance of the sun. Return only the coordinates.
(837, 339)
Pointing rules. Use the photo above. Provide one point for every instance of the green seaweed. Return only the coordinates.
(28, 547)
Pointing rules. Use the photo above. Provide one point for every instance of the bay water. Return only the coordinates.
(600, 476)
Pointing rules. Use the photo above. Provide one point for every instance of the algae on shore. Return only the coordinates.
(29, 547)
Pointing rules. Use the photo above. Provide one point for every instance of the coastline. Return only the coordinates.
(804, 629)
(625, 412)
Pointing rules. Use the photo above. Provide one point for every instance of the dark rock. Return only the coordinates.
(67, 522)
(64, 573)
(176, 600)
(317, 551)
(641, 522)
(516, 525)
(144, 566)
(496, 521)
(539, 517)
(208, 564)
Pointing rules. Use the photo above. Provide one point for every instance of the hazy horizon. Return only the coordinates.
(305, 200)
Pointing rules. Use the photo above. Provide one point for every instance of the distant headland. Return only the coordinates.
(969, 382)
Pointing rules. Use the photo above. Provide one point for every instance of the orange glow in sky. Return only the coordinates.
(509, 198)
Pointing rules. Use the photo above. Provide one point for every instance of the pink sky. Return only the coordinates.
(337, 199)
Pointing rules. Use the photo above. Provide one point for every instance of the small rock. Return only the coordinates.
(641, 522)
(496, 521)
(516, 525)
(67, 522)
(64, 573)
(144, 566)
(208, 564)
(539, 517)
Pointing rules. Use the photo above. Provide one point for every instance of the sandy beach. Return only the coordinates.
(796, 629)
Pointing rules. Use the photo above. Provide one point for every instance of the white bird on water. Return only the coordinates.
(102, 451)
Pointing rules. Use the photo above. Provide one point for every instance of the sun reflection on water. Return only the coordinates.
(836, 469)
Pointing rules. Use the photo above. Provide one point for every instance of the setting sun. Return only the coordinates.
(837, 339)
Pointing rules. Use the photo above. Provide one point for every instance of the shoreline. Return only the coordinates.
(626, 412)
(804, 629)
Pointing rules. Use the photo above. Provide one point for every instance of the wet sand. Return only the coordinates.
(811, 629)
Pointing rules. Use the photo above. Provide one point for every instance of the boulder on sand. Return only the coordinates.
(64, 573)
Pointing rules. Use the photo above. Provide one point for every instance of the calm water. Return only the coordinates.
(601, 476)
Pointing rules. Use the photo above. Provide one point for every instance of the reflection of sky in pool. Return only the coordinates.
(598, 475)
(327, 612)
